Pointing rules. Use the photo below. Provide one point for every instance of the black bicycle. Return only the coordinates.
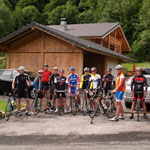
(111, 107)
(61, 103)
(36, 104)
(11, 106)
(75, 104)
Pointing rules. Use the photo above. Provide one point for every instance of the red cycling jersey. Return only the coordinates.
(46, 76)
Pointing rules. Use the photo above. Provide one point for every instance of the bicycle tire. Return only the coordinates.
(138, 110)
(8, 110)
(111, 111)
(36, 106)
(84, 108)
(74, 107)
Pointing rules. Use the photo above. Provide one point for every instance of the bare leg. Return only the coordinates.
(133, 107)
(19, 104)
(27, 104)
(144, 107)
(44, 103)
(65, 103)
(70, 101)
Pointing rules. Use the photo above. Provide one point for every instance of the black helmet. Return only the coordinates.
(109, 69)
(86, 69)
(46, 65)
(93, 69)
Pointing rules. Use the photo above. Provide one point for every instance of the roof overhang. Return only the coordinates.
(79, 42)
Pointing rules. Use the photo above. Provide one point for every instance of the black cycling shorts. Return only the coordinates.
(45, 86)
(105, 91)
(141, 96)
(58, 94)
(40, 95)
(23, 94)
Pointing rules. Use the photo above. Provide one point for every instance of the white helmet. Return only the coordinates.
(119, 67)
(21, 68)
(55, 68)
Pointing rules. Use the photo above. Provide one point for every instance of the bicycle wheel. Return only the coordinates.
(36, 106)
(74, 111)
(84, 108)
(138, 109)
(8, 110)
(111, 111)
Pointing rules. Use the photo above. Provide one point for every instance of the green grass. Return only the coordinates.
(3, 105)
(129, 66)
(3, 64)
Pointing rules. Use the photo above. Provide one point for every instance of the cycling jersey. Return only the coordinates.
(46, 76)
(61, 83)
(38, 83)
(138, 83)
(119, 77)
(73, 79)
(108, 81)
(85, 80)
(94, 82)
(21, 81)
(52, 79)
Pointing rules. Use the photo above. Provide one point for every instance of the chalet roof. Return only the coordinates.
(87, 30)
(82, 43)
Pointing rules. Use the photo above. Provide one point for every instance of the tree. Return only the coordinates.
(6, 20)
(141, 47)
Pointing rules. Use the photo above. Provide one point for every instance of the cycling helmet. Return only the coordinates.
(139, 69)
(86, 69)
(41, 71)
(93, 69)
(55, 68)
(21, 68)
(109, 69)
(61, 71)
(72, 68)
(46, 65)
(118, 67)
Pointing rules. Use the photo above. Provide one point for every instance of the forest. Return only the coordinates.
(133, 15)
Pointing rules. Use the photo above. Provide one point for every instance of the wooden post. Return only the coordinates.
(109, 41)
(115, 40)
(8, 60)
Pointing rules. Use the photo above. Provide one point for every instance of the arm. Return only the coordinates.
(146, 85)
(13, 84)
(103, 80)
(82, 81)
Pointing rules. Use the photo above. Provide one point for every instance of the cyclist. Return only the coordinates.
(119, 90)
(38, 87)
(108, 83)
(61, 84)
(94, 82)
(22, 83)
(73, 83)
(85, 78)
(45, 81)
(137, 87)
(52, 85)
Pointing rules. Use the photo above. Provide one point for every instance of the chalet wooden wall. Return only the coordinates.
(38, 48)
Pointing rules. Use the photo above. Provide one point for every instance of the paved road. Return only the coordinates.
(73, 132)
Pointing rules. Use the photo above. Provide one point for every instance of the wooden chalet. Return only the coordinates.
(79, 45)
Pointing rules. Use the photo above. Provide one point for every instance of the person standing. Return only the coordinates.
(61, 86)
(137, 87)
(45, 81)
(22, 82)
(119, 90)
(38, 87)
(52, 85)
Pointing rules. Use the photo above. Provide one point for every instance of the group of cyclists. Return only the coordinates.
(48, 85)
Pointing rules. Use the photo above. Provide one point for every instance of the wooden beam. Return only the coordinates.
(4, 47)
